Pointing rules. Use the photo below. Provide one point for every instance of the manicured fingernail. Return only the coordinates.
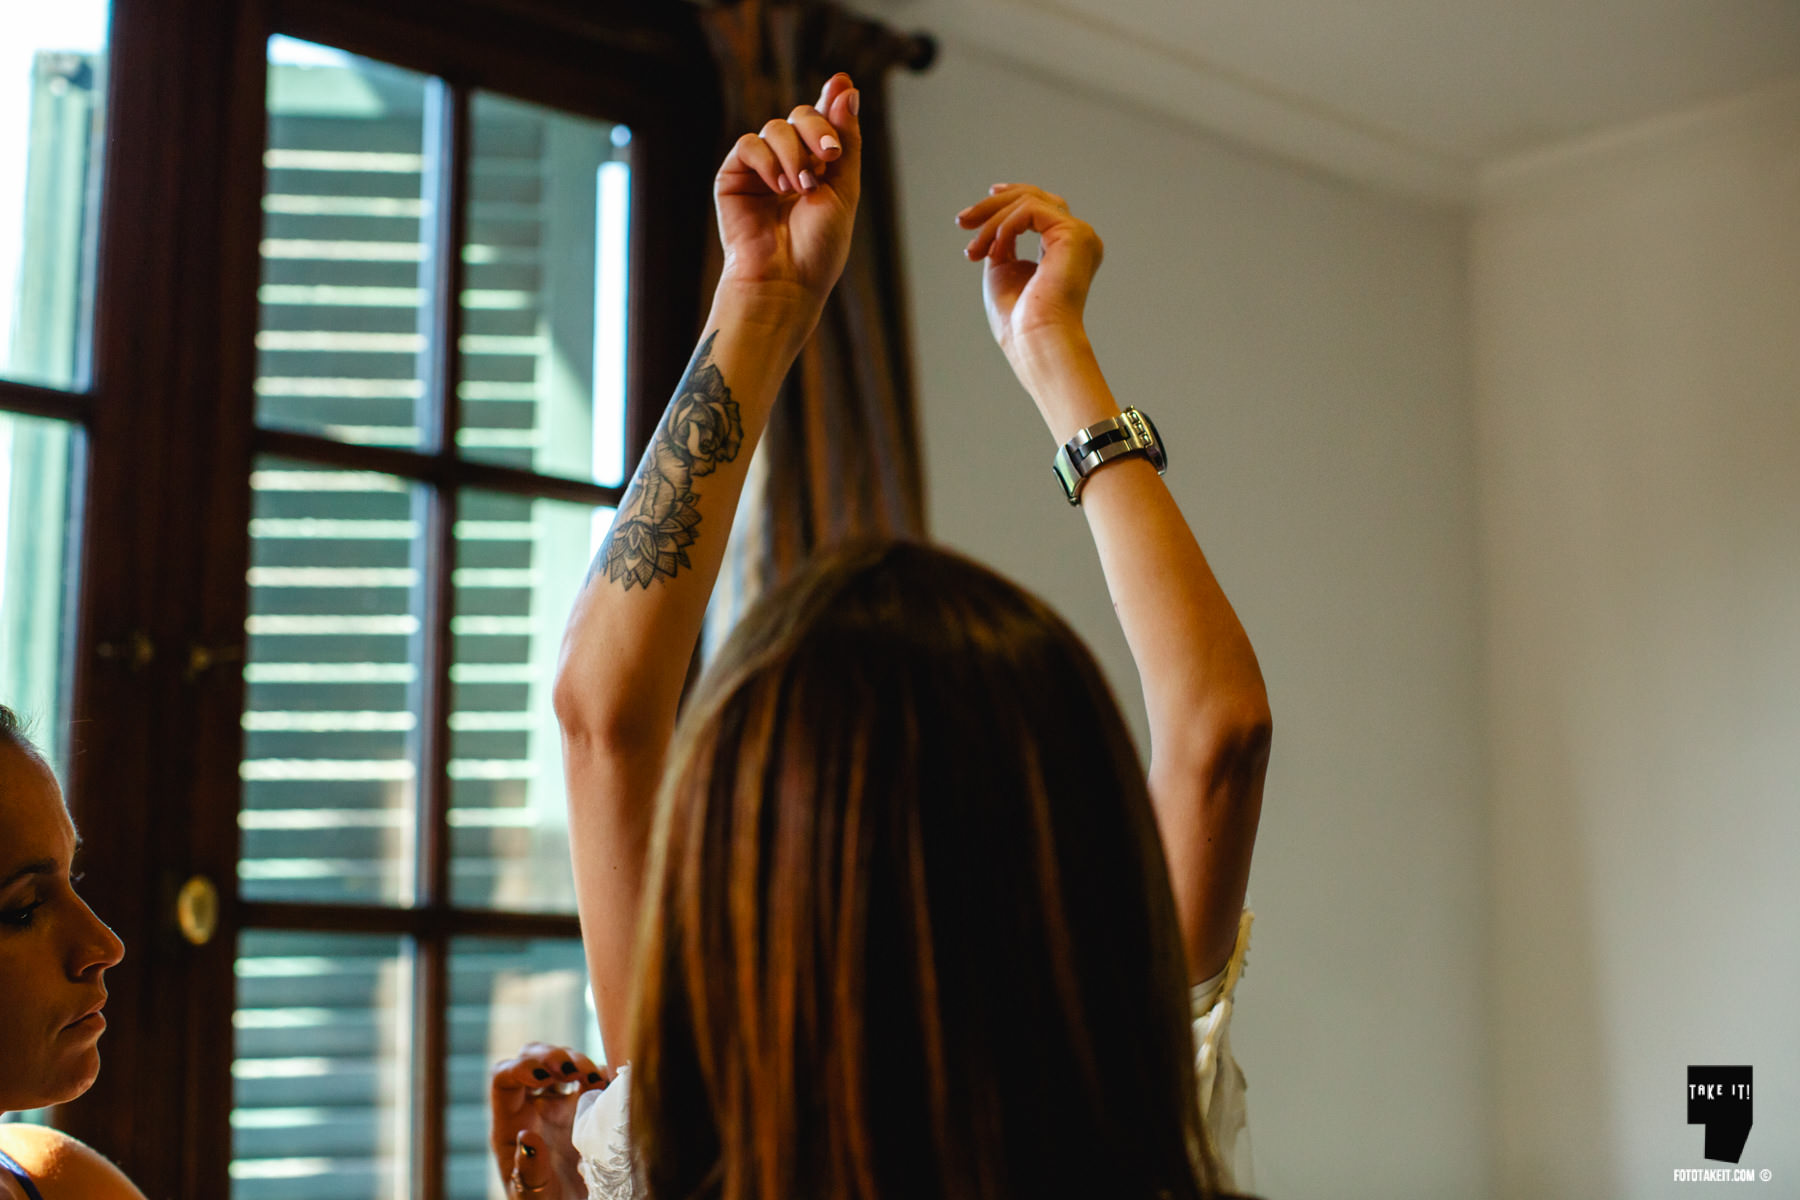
(593, 1077)
(784, 185)
(829, 143)
(568, 1068)
(855, 103)
(807, 182)
(540, 1073)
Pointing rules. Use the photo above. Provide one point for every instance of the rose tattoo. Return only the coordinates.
(658, 516)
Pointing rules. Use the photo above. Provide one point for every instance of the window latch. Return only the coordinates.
(135, 650)
(202, 659)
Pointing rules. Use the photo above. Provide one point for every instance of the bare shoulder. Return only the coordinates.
(64, 1168)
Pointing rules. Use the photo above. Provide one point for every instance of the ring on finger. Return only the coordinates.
(518, 1185)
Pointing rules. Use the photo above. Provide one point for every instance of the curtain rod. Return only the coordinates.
(918, 49)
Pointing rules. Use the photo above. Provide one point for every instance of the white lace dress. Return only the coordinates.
(603, 1138)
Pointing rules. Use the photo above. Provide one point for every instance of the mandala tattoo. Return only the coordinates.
(659, 514)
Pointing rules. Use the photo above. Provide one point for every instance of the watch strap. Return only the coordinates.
(1131, 432)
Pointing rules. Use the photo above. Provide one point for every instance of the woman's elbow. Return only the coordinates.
(617, 721)
(1225, 746)
(570, 701)
(1255, 727)
(1241, 739)
(585, 712)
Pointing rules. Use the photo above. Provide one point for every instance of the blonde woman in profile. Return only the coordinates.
(895, 912)
(54, 954)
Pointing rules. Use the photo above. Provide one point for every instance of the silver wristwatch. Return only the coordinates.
(1131, 432)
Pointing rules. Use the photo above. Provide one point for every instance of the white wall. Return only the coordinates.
(1302, 346)
(1637, 331)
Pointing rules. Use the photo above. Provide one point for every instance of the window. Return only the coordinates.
(52, 118)
(52, 109)
(443, 282)
(319, 372)
(40, 461)
(52, 115)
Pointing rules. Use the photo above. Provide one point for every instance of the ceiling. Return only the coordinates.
(1412, 95)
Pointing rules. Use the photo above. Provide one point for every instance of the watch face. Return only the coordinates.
(1159, 454)
(1067, 474)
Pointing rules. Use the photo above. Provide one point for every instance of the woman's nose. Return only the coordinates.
(100, 947)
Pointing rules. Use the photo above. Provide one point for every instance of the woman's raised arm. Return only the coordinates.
(1208, 710)
(786, 201)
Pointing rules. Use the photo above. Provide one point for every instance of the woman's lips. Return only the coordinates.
(92, 1022)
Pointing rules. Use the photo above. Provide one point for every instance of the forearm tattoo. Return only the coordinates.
(659, 515)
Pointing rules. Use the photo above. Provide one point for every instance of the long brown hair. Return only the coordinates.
(908, 929)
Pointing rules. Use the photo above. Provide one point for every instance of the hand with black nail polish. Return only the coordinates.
(531, 1101)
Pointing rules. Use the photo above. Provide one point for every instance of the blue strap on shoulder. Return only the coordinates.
(18, 1172)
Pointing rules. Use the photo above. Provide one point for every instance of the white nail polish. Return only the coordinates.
(829, 143)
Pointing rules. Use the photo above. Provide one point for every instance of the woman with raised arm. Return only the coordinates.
(54, 955)
(894, 912)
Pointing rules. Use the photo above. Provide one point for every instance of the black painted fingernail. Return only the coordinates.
(540, 1073)
(593, 1077)
(568, 1068)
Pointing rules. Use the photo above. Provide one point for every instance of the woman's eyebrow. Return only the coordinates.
(42, 866)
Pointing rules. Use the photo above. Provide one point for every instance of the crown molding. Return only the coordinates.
(1172, 82)
(1505, 177)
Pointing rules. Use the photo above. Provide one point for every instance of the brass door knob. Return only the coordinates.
(197, 910)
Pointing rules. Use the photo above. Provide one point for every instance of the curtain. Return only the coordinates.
(840, 458)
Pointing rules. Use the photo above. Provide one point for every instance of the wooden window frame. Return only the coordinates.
(170, 420)
(31, 400)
